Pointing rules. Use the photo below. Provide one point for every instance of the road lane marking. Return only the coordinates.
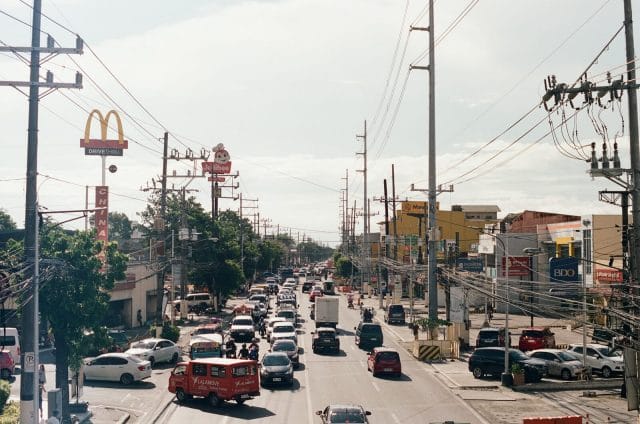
(375, 386)
(394, 417)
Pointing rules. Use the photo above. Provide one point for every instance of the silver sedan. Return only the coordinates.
(560, 362)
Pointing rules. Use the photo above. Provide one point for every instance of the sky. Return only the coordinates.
(287, 85)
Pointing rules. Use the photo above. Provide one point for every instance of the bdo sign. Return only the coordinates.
(564, 270)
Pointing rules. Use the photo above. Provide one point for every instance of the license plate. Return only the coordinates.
(245, 396)
(387, 370)
(277, 379)
(373, 339)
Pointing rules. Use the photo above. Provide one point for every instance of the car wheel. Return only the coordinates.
(606, 372)
(174, 358)
(478, 372)
(152, 360)
(126, 379)
(213, 399)
(240, 401)
(5, 374)
(181, 396)
(565, 374)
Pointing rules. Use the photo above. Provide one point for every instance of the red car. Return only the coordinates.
(534, 338)
(7, 366)
(384, 360)
(315, 293)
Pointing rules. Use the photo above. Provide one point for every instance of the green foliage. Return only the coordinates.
(120, 227)
(344, 266)
(10, 413)
(5, 391)
(516, 369)
(426, 324)
(74, 288)
(170, 332)
(6, 223)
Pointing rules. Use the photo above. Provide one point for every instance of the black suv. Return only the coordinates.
(325, 339)
(490, 361)
(395, 314)
(307, 286)
(368, 335)
(488, 337)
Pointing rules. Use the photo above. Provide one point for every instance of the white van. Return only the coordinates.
(9, 340)
(203, 300)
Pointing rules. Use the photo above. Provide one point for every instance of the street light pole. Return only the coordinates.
(507, 340)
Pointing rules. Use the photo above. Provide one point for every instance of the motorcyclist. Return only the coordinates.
(367, 315)
(253, 351)
(243, 353)
(230, 348)
(262, 328)
(350, 300)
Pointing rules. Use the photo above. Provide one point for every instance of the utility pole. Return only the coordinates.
(365, 223)
(161, 243)
(433, 284)
(393, 206)
(29, 390)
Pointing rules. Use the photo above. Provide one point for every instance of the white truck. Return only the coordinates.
(326, 311)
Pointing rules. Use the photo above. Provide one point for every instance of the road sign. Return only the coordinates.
(102, 151)
(30, 362)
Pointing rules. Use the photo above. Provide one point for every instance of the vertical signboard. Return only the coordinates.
(102, 215)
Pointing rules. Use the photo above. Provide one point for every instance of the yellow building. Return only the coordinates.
(458, 227)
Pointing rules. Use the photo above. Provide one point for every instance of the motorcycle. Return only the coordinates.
(350, 303)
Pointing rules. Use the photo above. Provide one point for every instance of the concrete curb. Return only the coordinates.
(613, 383)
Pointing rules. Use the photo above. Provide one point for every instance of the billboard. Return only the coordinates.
(469, 264)
(519, 266)
(103, 146)
(102, 215)
(564, 270)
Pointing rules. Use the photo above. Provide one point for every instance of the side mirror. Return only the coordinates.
(367, 412)
(318, 412)
(354, 328)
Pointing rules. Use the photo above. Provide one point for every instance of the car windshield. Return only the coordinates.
(532, 333)
(609, 353)
(517, 355)
(284, 346)
(372, 329)
(143, 345)
(566, 356)
(243, 322)
(346, 416)
(283, 329)
(275, 360)
(285, 314)
(388, 356)
(326, 334)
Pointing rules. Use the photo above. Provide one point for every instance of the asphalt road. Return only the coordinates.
(417, 397)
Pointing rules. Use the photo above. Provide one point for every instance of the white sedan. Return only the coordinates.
(156, 350)
(116, 367)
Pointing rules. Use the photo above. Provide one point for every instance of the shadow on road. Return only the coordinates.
(138, 385)
(229, 409)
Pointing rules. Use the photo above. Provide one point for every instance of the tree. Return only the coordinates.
(6, 223)
(74, 293)
(120, 227)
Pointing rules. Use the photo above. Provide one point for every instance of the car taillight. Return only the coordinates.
(141, 368)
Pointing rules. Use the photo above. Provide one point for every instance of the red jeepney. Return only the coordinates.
(217, 379)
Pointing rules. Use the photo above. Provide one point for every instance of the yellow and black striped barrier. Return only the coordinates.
(428, 353)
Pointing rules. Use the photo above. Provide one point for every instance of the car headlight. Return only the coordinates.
(290, 370)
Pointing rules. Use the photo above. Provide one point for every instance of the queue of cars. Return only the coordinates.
(538, 344)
